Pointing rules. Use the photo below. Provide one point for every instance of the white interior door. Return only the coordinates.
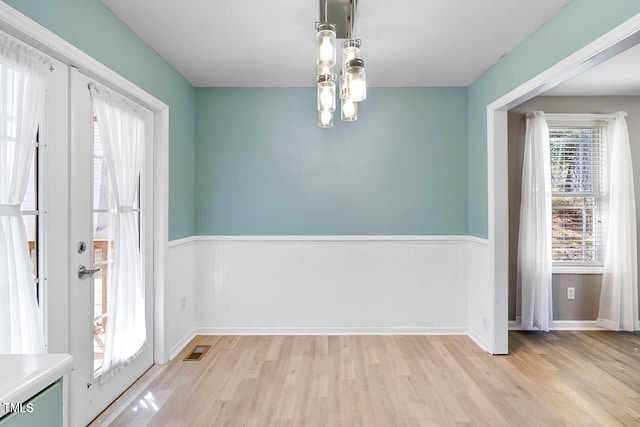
(92, 230)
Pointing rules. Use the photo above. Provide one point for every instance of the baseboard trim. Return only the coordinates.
(563, 325)
(180, 345)
(331, 331)
(177, 348)
(576, 325)
(478, 340)
(514, 325)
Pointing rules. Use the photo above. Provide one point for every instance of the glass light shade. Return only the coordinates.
(343, 86)
(327, 92)
(350, 50)
(325, 119)
(348, 110)
(326, 45)
(356, 81)
(324, 70)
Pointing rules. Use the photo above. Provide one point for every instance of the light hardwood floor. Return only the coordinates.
(560, 378)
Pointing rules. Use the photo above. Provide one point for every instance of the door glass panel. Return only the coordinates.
(30, 201)
(29, 212)
(102, 196)
(102, 258)
(104, 216)
(103, 235)
(31, 222)
(100, 316)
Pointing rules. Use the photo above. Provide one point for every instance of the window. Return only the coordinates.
(579, 185)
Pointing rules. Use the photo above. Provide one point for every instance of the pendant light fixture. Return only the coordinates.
(353, 85)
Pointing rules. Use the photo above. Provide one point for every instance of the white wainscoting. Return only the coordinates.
(180, 282)
(480, 293)
(266, 285)
(331, 285)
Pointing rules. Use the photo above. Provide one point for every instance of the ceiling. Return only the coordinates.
(259, 43)
(616, 76)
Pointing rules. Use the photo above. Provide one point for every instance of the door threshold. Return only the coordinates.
(123, 401)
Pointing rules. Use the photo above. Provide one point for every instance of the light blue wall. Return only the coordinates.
(93, 28)
(575, 26)
(263, 167)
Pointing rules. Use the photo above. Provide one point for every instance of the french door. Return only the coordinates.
(95, 265)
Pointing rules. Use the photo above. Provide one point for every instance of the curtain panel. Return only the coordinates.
(534, 241)
(619, 295)
(122, 129)
(22, 100)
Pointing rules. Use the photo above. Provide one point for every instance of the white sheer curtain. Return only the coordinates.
(534, 241)
(22, 99)
(619, 295)
(122, 128)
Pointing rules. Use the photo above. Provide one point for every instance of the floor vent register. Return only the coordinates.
(197, 353)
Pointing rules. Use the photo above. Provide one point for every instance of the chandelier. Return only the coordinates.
(352, 81)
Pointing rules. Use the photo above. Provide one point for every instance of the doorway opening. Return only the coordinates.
(609, 45)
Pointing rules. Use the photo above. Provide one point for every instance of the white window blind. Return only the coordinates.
(579, 185)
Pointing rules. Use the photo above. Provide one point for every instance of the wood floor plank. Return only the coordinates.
(560, 378)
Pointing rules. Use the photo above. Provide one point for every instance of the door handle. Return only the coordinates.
(84, 271)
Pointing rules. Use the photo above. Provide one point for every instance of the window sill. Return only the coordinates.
(577, 269)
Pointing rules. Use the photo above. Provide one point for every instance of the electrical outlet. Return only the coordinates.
(571, 293)
(485, 324)
(183, 303)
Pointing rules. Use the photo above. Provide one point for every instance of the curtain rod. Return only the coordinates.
(579, 116)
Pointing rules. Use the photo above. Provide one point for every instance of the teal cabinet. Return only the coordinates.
(42, 410)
